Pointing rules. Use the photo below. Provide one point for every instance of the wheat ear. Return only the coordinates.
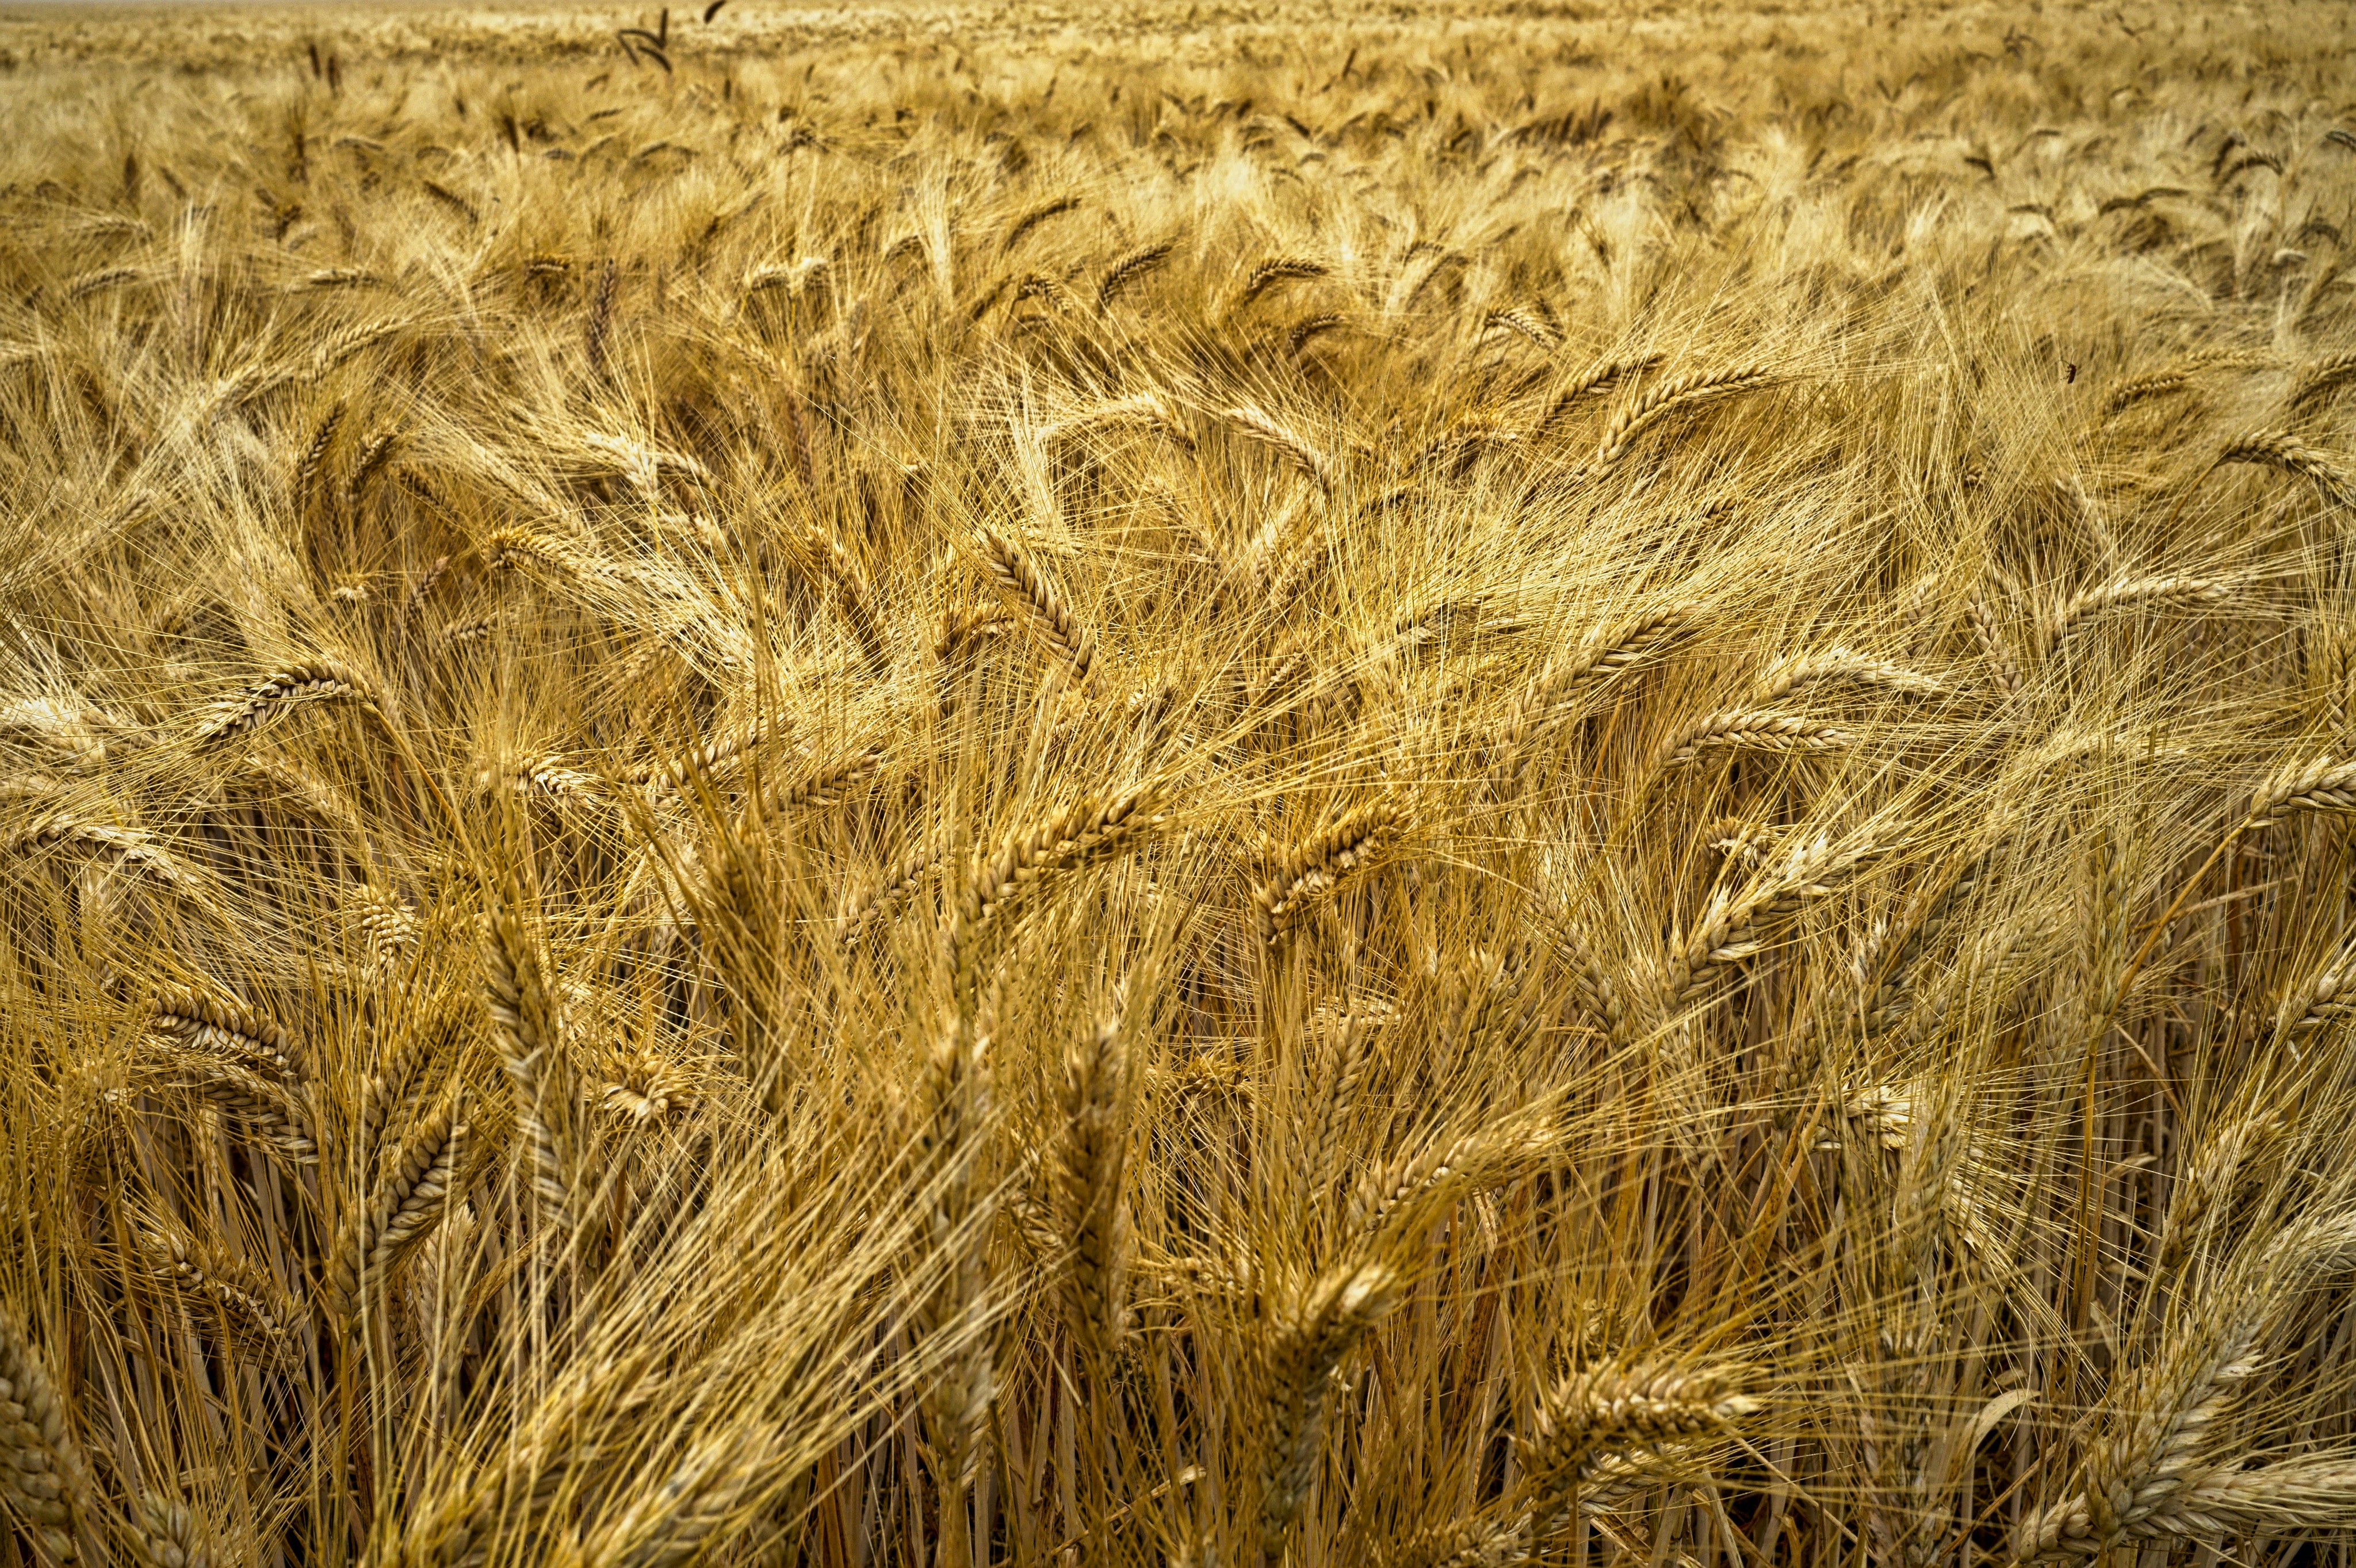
(1592, 383)
(312, 679)
(1674, 395)
(1275, 271)
(209, 1023)
(2319, 380)
(1839, 665)
(1426, 1178)
(1022, 581)
(1616, 1408)
(950, 1141)
(827, 785)
(406, 1204)
(1558, 692)
(2001, 664)
(2158, 593)
(1750, 729)
(1462, 1544)
(1066, 841)
(691, 1508)
(270, 1107)
(1315, 868)
(1725, 932)
(1354, 1057)
(44, 1478)
(1091, 1193)
(247, 1306)
(1129, 270)
(2137, 389)
(2157, 1452)
(167, 1535)
(314, 458)
(2323, 785)
(1312, 1334)
(852, 594)
(1893, 995)
(2281, 449)
(1139, 411)
(531, 1052)
(1256, 424)
(898, 885)
(707, 758)
(600, 323)
(133, 847)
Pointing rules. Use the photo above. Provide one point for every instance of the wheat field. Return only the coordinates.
(1228, 784)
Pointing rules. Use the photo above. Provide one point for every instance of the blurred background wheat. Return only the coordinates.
(1218, 785)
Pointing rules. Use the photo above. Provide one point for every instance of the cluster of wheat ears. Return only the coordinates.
(1217, 789)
